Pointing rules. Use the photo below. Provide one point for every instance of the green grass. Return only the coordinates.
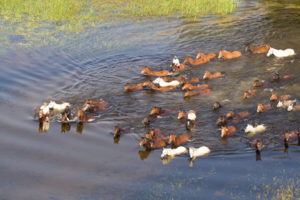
(185, 8)
(42, 10)
(78, 10)
(40, 20)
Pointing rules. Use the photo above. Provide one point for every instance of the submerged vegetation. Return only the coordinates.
(280, 189)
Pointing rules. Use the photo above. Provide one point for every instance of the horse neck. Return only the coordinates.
(146, 69)
(186, 85)
(199, 54)
(187, 59)
(192, 61)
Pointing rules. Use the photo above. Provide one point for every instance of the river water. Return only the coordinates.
(86, 163)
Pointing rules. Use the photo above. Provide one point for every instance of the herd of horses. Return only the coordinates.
(168, 80)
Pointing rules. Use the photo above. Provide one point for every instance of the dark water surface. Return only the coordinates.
(85, 163)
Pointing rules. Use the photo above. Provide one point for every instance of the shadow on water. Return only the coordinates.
(85, 161)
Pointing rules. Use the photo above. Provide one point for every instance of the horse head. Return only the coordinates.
(220, 54)
(270, 52)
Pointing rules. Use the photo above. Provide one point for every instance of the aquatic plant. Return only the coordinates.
(279, 190)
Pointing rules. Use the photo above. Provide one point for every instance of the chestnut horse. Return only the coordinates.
(258, 49)
(229, 55)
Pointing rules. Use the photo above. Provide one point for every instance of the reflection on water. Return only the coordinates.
(117, 139)
(79, 127)
(65, 127)
(258, 155)
(144, 154)
(44, 126)
(88, 162)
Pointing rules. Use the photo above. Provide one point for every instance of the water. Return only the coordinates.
(86, 163)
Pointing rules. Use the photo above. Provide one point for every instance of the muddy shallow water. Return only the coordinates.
(85, 163)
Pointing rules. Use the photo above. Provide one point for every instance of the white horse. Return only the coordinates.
(44, 109)
(281, 53)
(58, 108)
(162, 83)
(198, 152)
(252, 130)
(169, 152)
(286, 103)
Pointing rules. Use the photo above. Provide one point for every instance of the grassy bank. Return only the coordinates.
(39, 20)
(42, 10)
(185, 8)
(71, 10)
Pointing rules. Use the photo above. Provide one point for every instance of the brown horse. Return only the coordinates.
(83, 117)
(275, 97)
(227, 131)
(147, 71)
(288, 135)
(188, 86)
(249, 93)
(152, 144)
(199, 61)
(181, 115)
(129, 87)
(236, 116)
(176, 140)
(277, 77)
(257, 144)
(156, 111)
(153, 133)
(258, 83)
(197, 93)
(207, 75)
(261, 107)
(229, 55)
(95, 105)
(209, 56)
(194, 80)
(258, 49)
